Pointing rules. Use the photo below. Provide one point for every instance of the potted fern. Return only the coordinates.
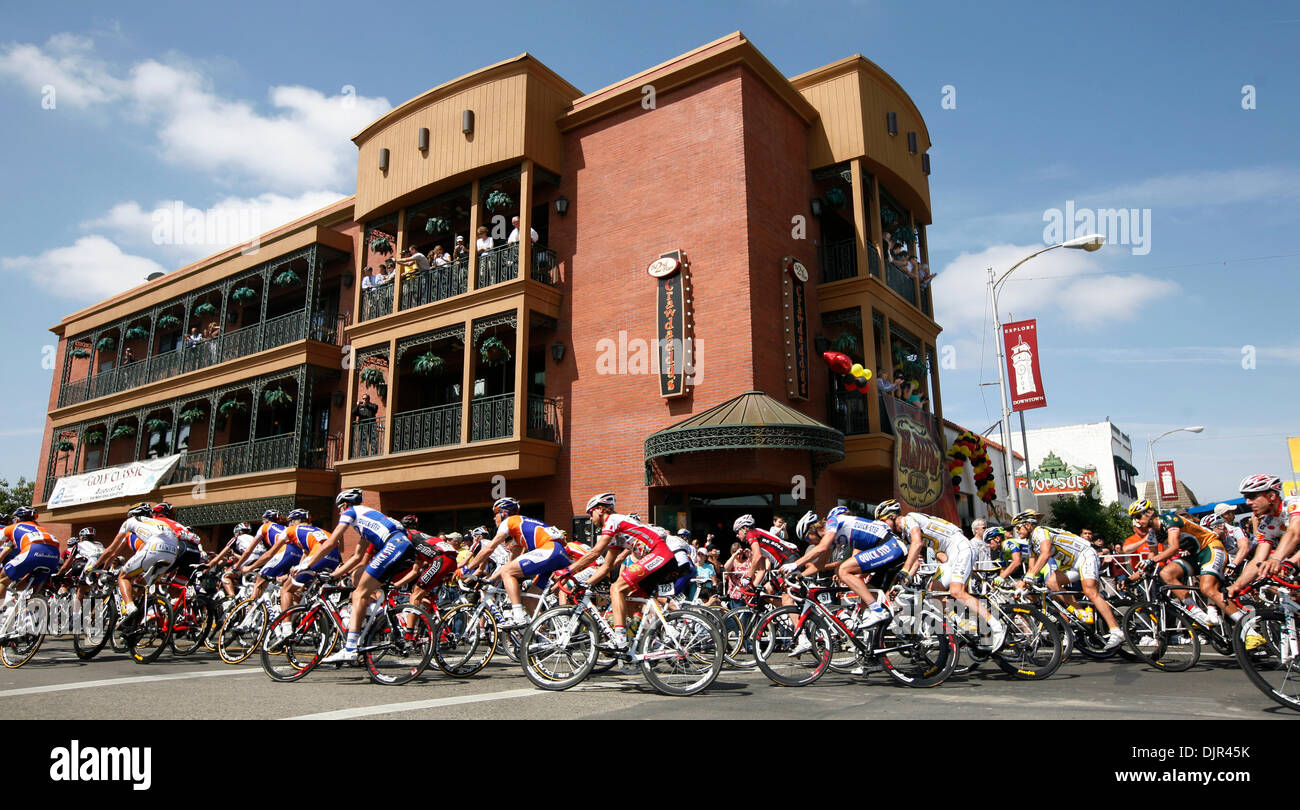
(437, 225)
(123, 432)
(137, 333)
(63, 445)
(277, 397)
(428, 365)
(94, 438)
(206, 308)
(157, 425)
(243, 295)
(372, 376)
(232, 406)
(381, 245)
(498, 200)
(106, 344)
(167, 322)
(194, 415)
(79, 353)
(493, 352)
(287, 279)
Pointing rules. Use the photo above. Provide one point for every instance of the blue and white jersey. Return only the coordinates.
(854, 534)
(374, 526)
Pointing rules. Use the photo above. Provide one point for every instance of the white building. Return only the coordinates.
(1064, 459)
(969, 505)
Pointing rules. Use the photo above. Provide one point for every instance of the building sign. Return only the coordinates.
(672, 322)
(1054, 477)
(1166, 483)
(1020, 341)
(920, 468)
(795, 296)
(135, 478)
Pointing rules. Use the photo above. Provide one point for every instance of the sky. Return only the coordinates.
(1182, 115)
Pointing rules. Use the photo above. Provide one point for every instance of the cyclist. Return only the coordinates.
(1277, 521)
(536, 551)
(1067, 558)
(190, 553)
(768, 551)
(435, 560)
(686, 568)
(306, 538)
(272, 564)
(653, 561)
(1195, 551)
(383, 550)
(1010, 550)
(237, 548)
(30, 551)
(154, 547)
(1239, 546)
(86, 550)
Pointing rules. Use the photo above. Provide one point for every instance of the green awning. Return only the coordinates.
(1125, 466)
(751, 421)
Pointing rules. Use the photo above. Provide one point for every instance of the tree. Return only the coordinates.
(20, 494)
(1109, 522)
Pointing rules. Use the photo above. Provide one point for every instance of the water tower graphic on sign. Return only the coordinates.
(1022, 361)
(1167, 482)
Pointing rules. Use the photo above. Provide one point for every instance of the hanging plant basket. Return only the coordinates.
(93, 438)
(79, 353)
(904, 235)
(123, 432)
(232, 406)
(137, 333)
(106, 344)
(63, 445)
(845, 343)
(889, 218)
(372, 377)
(493, 352)
(244, 294)
(428, 365)
(277, 398)
(168, 322)
(206, 308)
(381, 245)
(194, 415)
(157, 425)
(437, 225)
(287, 279)
(835, 198)
(498, 201)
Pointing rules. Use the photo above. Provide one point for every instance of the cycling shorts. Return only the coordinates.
(685, 573)
(657, 566)
(327, 563)
(542, 562)
(154, 557)
(958, 567)
(389, 561)
(39, 561)
(187, 556)
(289, 556)
(888, 553)
(1209, 561)
(439, 568)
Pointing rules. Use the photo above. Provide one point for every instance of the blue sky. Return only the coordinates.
(243, 106)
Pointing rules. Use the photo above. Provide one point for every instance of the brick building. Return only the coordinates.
(535, 368)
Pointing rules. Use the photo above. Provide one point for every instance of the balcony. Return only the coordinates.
(900, 282)
(847, 412)
(501, 264)
(377, 301)
(427, 427)
(492, 418)
(367, 438)
(543, 419)
(259, 337)
(839, 260)
(438, 282)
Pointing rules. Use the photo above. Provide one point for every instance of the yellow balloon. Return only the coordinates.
(856, 371)
(867, 374)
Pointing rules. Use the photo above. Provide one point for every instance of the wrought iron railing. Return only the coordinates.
(839, 260)
(900, 282)
(239, 343)
(873, 260)
(377, 301)
(258, 455)
(546, 266)
(492, 417)
(426, 286)
(543, 419)
(367, 438)
(848, 412)
(498, 265)
(427, 427)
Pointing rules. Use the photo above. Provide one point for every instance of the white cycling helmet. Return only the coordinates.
(606, 500)
(805, 523)
(661, 531)
(743, 522)
(1255, 484)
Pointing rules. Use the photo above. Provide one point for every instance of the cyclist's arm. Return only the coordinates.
(610, 563)
(1171, 540)
(326, 547)
(1038, 564)
(1012, 566)
(914, 552)
(108, 552)
(1286, 546)
(813, 553)
(219, 556)
(502, 535)
(359, 558)
(269, 555)
(602, 543)
(409, 576)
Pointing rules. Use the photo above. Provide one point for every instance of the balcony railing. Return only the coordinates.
(498, 265)
(839, 260)
(546, 266)
(847, 412)
(367, 438)
(258, 455)
(428, 427)
(239, 343)
(900, 282)
(426, 286)
(543, 419)
(492, 417)
(377, 301)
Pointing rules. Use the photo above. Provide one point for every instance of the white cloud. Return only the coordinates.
(90, 269)
(1207, 188)
(66, 64)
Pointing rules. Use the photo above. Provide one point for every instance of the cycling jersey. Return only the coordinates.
(306, 537)
(87, 551)
(1234, 538)
(143, 531)
(24, 535)
(1271, 528)
(1010, 547)
(624, 532)
(374, 526)
(938, 534)
(1192, 536)
(1067, 549)
(38, 552)
(529, 534)
(774, 549)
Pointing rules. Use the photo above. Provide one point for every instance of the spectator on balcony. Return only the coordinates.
(128, 356)
(896, 387)
(514, 235)
(459, 252)
(440, 257)
(415, 261)
(484, 241)
(367, 278)
(210, 335)
(194, 338)
(926, 276)
(363, 413)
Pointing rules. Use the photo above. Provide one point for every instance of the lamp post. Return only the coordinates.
(1089, 243)
(1151, 456)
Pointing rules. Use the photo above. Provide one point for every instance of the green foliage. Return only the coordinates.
(79, 352)
(244, 294)
(1109, 522)
(428, 365)
(493, 352)
(846, 343)
(437, 225)
(232, 406)
(157, 425)
(498, 200)
(206, 308)
(123, 432)
(372, 376)
(277, 398)
(287, 279)
(168, 322)
(835, 198)
(904, 235)
(63, 445)
(93, 438)
(194, 415)
(13, 496)
(106, 344)
(137, 333)
(381, 245)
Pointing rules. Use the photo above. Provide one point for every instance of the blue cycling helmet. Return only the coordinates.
(836, 512)
(508, 505)
(300, 515)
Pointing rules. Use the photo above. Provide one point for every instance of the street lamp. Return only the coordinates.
(1151, 456)
(1089, 243)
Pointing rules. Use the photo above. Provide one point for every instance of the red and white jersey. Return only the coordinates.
(1270, 529)
(630, 534)
(777, 551)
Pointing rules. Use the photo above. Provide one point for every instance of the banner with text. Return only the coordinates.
(135, 478)
(920, 465)
(1020, 341)
(1166, 483)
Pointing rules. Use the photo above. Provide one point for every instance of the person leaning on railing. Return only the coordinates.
(415, 260)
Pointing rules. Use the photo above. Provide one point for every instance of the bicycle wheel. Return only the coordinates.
(190, 626)
(559, 648)
(96, 627)
(683, 655)
(25, 633)
(1270, 662)
(918, 659)
(149, 636)
(844, 653)
(399, 645)
(1162, 637)
(297, 644)
(242, 631)
(1033, 648)
(466, 641)
(775, 641)
(737, 634)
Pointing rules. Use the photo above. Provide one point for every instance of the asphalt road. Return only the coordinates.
(55, 685)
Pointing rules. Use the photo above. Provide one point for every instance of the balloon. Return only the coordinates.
(856, 371)
(839, 363)
(867, 374)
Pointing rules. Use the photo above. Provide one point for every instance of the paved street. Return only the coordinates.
(56, 685)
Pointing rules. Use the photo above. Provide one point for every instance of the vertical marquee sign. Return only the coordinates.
(794, 294)
(672, 321)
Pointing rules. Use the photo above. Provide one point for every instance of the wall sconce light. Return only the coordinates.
(816, 207)
(911, 142)
(891, 119)
(337, 398)
(424, 139)
(383, 160)
(467, 122)
(347, 281)
(925, 163)
(557, 352)
(561, 205)
(821, 344)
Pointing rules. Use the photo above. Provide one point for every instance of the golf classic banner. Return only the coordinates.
(135, 478)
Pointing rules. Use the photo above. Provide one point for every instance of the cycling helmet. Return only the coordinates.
(141, 509)
(1212, 521)
(743, 522)
(24, 513)
(661, 531)
(351, 497)
(1139, 507)
(1255, 484)
(887, 508)
(685, 534)
(272, 515)
(87, 533)
(836, 512)
(410, 522)
(243, 528)
(508, 505)
(163, 509)
(634, 516)
(805, 523)
(480, 532)
(995, 533)
(299, 516)
(606, 500)
(1028, 516)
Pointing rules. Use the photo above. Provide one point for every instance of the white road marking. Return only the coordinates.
(415, 705)
(171, 676)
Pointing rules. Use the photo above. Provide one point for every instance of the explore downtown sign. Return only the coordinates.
(135, 478)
